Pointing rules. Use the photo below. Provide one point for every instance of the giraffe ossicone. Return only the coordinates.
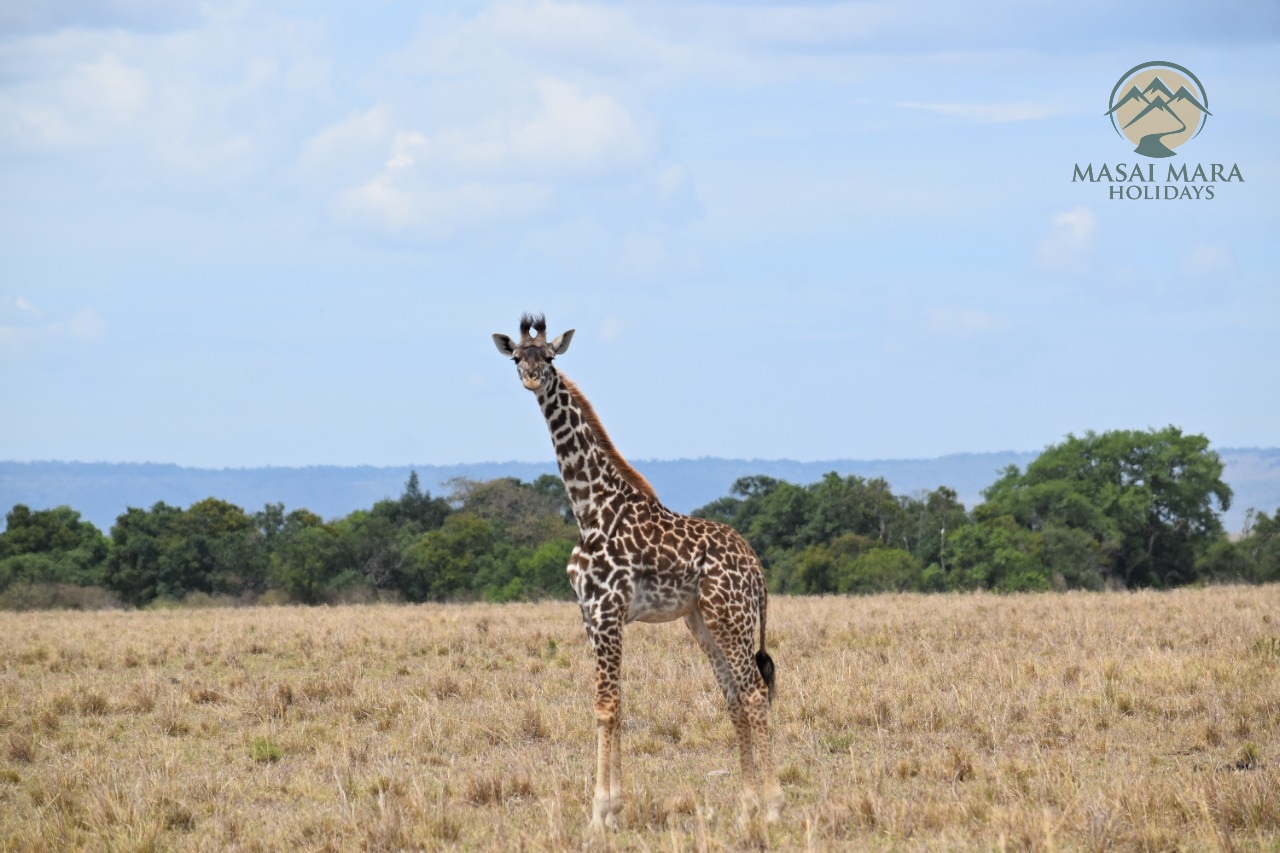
(636, 560)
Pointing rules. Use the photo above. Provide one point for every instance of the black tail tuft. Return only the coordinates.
(766, 670)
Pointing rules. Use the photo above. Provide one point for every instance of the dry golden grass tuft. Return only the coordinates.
(1074, 721)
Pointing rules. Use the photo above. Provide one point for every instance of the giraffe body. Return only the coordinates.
(636, 560)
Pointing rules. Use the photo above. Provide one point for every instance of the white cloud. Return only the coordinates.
(1069, 244)
(929, 26)
(1208, 260)
(507, 34)
(673, 182)
(612, 327)
(643, 255)
(575, 132)
(357, 133)
(987, 113)
(84, 104)
(965, 322)
(576, 244)
(433, 184)
(200, 105)
(1076, 226)
(432, 214)
(86, 325)
(147, 15)
(22, 325)
(113, 86)
(349, 146)
(559, 131)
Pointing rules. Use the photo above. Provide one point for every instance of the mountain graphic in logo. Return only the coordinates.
(1153, 116)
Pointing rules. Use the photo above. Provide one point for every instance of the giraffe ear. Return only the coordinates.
(561, 343)
(504, 345)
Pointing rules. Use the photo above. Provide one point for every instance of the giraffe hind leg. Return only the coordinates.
(757, 712)
(731, 686)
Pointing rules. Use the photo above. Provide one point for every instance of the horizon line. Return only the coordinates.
(551, 460)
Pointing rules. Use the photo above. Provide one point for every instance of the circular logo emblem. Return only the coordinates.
(1158, 106)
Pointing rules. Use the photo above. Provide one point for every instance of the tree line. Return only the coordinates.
(1124, 509)
(1121, 509)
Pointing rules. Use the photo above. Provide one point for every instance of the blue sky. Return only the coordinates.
(281, 233)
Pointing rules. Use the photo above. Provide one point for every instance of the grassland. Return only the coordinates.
(1072, 721)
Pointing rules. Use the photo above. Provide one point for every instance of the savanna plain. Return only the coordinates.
(1054, 721)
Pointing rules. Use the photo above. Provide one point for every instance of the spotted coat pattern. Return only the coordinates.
(636, 560)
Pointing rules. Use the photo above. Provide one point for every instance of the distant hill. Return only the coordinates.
(101, 491)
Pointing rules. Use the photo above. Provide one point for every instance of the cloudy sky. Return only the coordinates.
(240, 234)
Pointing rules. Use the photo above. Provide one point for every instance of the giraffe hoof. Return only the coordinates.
(602, 826)
(603, 815)
(773, 808)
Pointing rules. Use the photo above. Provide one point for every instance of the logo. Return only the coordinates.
(1158, 106)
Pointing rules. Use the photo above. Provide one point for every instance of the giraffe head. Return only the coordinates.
(534, 353)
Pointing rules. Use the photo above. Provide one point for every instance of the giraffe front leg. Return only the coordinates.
(606, 639)
(603, 807)
(615, 770)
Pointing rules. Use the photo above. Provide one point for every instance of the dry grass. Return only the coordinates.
(1117, 721)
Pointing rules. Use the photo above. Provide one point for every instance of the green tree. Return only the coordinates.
(544, 572)
(169, 552)
(1260, 547)
(996, 553)
(819, 568)
(881, 570)
(799, 531)
(1149, 500)
(743, 502)
(927, 522)
(222, 541)
(443, 563)
(137, 568)
(307, 564)
(51, 546)
(275, 526)
(851, 504)
(415, 511)
(527, 514)
(552, 487)
(304, 555)
(1074, 558)
(373, 546)
(1225, 561)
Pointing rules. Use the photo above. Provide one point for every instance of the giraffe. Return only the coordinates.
(636, 560)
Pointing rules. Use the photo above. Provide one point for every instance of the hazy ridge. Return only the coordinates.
(101, 491)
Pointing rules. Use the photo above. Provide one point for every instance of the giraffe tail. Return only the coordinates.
(763, 661)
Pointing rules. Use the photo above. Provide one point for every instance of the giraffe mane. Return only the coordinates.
(621, 465)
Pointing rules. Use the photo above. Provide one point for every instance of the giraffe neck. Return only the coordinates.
(596, 478)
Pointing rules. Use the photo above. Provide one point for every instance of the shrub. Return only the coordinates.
(58, 596)
(264, 750)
